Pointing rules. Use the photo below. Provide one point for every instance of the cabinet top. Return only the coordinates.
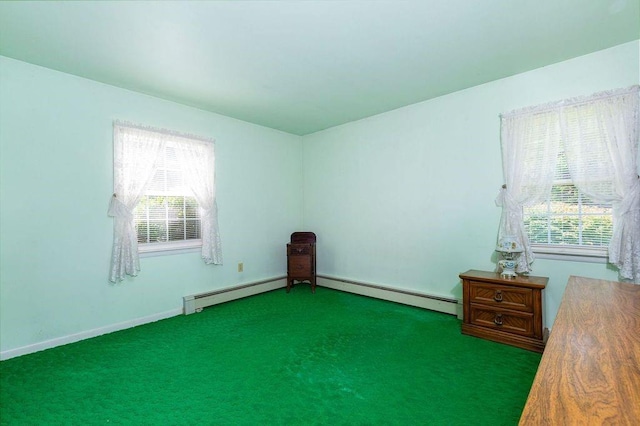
(303, 238)
(594, 340)
(494, 277)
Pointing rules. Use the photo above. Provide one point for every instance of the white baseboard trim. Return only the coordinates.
(72, 338)
(420, 300)
(195, 303)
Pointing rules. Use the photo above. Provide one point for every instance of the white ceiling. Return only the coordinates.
(303, 66)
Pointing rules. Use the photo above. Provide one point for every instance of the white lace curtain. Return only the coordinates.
(603, 167)
(137, 151)
(197, 159)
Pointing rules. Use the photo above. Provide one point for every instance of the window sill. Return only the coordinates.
(165, 249)
(574, 254)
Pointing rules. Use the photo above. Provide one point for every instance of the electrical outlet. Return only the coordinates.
(240, 267)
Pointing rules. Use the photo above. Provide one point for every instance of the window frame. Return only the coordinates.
(571, 253)
(170, 247)
(151, 249)
(574, 252)
(167, 220)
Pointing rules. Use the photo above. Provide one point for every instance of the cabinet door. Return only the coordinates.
(300, 265)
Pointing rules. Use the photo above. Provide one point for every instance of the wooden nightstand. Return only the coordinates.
(505, 310)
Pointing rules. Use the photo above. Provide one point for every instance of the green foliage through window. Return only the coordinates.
(569, 218)
(167, 218)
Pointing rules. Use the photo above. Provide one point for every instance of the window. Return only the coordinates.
(571, 184)
(163, 198)
(168, 215)
(568, 221)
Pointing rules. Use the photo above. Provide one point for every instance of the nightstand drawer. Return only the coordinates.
(299, 249)
(506, 297)
(509, 321)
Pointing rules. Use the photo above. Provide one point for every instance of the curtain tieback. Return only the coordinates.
(631, 201)
(118, 209)
(504, 199)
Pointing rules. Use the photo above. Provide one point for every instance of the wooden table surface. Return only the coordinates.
(590, 370)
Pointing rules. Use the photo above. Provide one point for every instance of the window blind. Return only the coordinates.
(568, 216)
(168, 211)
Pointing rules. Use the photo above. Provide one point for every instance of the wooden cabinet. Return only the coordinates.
(505, 310)
(301, 259)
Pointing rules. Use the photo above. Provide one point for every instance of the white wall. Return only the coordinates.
(56, 177)
(406, 198)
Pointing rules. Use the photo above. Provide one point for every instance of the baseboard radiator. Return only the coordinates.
(421, 300)
(197, 302)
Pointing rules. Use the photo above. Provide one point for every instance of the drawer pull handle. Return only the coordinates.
(498, 319)
(498, 296)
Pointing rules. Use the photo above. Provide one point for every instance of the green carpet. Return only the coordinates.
(329, 358)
